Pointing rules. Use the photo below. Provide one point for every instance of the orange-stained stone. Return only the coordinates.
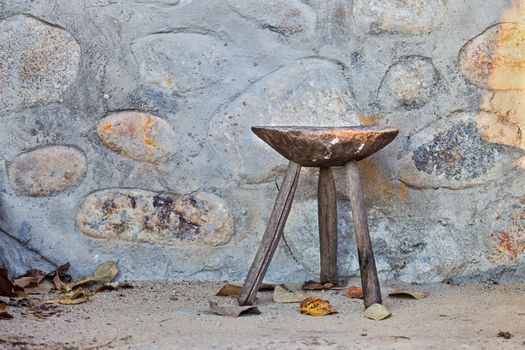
(139, 136)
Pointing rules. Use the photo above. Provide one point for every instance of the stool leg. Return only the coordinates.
(367, 264)
(273, 233)
(327, 214)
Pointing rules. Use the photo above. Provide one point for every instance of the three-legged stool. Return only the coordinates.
(322, 147)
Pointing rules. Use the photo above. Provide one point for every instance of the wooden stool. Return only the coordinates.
(322, 147)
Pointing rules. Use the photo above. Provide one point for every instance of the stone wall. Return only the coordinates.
(125, 133)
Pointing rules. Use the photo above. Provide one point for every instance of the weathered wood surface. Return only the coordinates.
(327, 214)
(272, 235)
(367, 265)
(326, 146)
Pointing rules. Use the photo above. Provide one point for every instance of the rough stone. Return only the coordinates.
(399, 16)
(309, 92)
(37, 62)
(140, 136)
(452, 154)
(47, 170)
(162, 218)
(408, 84)
(180, 63)
(284, 17)
(495, 59)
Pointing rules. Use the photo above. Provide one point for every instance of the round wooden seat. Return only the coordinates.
(313, 146)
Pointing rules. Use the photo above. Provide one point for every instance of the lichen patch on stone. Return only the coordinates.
(148, 217)
(453, 154)
(457, 153)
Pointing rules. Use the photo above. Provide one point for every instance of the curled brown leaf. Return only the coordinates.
(354, 292)
(315, 306)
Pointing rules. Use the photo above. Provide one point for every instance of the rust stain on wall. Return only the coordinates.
(510, 242)
(369, 119)
(379, 190)
(505, 121)
(148, 126)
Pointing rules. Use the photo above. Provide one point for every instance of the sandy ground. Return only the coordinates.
(176, 316)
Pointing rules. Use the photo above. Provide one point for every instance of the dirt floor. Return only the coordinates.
(176, 316)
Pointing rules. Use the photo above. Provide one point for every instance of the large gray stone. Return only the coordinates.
(47, 170)
(309, 92)
(37, 62)
(180, 63)
(399, 16)
(408, 84)
(144, 216)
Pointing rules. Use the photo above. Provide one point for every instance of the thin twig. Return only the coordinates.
(102, 345)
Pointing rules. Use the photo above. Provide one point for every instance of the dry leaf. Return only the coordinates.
(234, 290)
(315, 306)
(61, 271)
(43, 287)
(354, 292)
(77, 293)
(5, 300)
(59, 285)
(7, 288)
(233, 310)
(377, 312)
(81, 282)
(266, 287)
(312, 285)
(112, 287)
(281, 295)
(107, 271)
(28, 281)
(408, 293)
(229, 290)
(4, 312)
(67, 301)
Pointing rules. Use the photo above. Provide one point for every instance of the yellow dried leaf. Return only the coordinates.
(377, 312)
(229, 290)
(67, 301)
(87, 280)
(58, 283)
(106, 271)
(315, 306)
(77, 293)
